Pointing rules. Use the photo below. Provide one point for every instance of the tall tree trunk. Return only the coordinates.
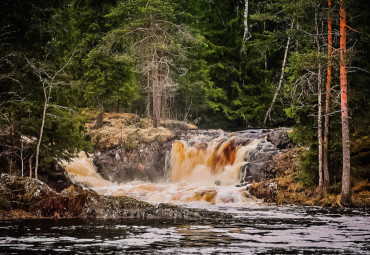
(319, 100)
(343, 91)
(327, 101)
(156, 92)
(155, 80)
(280, 80)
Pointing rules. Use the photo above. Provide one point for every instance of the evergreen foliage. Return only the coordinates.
(212, 76)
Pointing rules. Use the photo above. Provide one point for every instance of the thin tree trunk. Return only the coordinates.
(247, 34)
(148, 95)
(30, 165)
(22, 160)
(319, 100)
(327, 101)
(163, 95)
(345, 125)
(280, 80)
(156, 94)
(155, 80)
(46, 96)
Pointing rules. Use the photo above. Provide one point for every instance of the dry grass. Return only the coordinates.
(16, 214)
(284, 172)
(129, 131)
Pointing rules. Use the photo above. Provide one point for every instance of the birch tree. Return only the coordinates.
(246, 35)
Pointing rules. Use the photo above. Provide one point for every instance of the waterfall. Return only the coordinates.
(197, 170)
(218, 163)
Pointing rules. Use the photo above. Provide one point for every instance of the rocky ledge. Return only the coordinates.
(23, 197)
(128, 147)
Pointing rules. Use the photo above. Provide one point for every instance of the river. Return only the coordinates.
(202, 174)
(255, 230)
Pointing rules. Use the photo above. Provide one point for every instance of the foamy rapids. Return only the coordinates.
(198, 172)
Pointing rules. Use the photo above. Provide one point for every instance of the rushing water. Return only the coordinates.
(198, 172)
(203, 175)
(255, 230)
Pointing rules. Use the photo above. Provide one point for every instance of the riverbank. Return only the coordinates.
(284, 188)
(24, 198)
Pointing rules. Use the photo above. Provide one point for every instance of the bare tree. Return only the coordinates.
(49, 81)
(267, 115)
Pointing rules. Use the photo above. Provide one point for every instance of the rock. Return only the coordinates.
(147, 162)
(36, 199)
(99, 121)
(279, 137)
(21, 192)
(258, 160)
(55, 177)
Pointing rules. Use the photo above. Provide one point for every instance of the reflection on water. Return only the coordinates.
(255, 230)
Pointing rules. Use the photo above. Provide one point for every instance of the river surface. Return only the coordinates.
(255, 230)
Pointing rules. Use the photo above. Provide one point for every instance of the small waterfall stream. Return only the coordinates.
(199, 169)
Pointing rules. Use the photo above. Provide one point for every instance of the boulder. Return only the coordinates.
(279, 137)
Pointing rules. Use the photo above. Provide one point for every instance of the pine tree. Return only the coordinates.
(344, 107)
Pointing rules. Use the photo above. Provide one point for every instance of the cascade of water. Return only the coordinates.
(210, 163)
(197, 170)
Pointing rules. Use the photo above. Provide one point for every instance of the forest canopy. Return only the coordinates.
(219, 64)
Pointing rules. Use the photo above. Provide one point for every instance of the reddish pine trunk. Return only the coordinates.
(327, 101)
(344, 109)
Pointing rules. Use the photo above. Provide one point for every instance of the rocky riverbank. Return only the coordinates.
(23, 197)
(282, 187)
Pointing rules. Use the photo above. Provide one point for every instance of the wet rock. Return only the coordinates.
(55, 177)
(36, 199)
(129, 148)
(21, 192)
(147, 162)
(257, 161)
(126, 207)
(279, 137)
